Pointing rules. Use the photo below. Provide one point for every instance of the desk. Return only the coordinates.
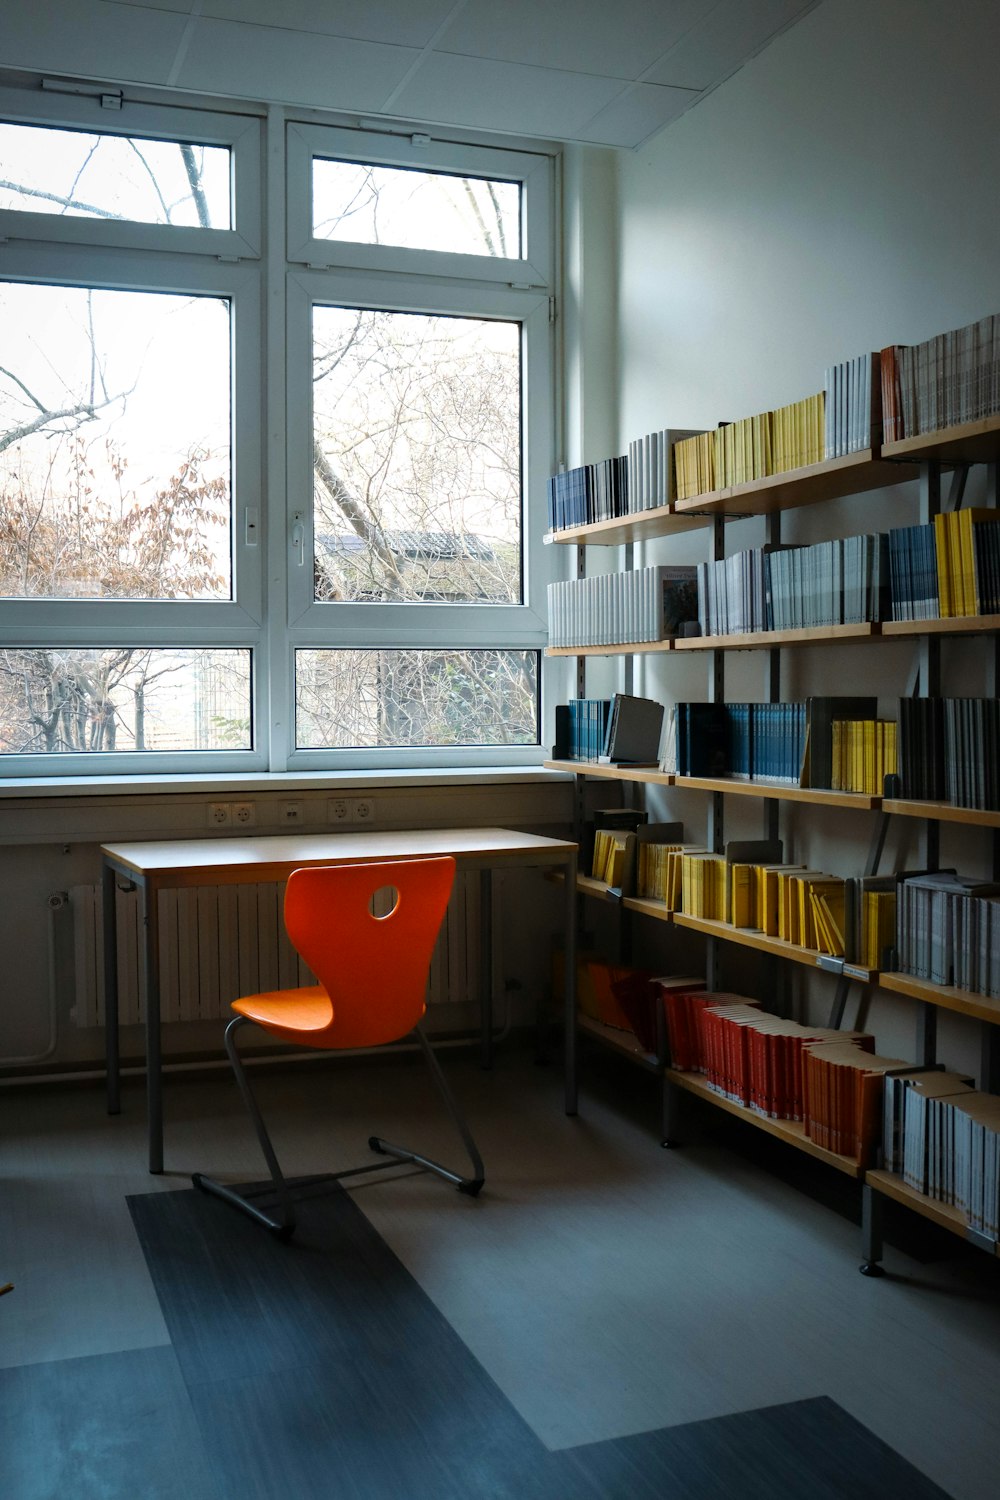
(152, 867)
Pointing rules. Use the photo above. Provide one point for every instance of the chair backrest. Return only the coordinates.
(374, 968)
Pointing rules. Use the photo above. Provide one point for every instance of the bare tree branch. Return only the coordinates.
(197, 189)
(61, 198)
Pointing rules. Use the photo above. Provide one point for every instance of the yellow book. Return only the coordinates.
(601, 839)
(966, 520)
(615, 868)
(741, 896)
(831, 903)
(821, 931)
(769, 896)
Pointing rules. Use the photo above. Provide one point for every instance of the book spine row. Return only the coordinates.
(592, 492)
(584, 724)
(949, 379)
(746, 741)
(946, 569)
(694, 465)
(649, 471)
(949, 937)
(864, 754)
(851, 415)
(946, 1145)
(842, 582)
(611, 609)
(949, 749)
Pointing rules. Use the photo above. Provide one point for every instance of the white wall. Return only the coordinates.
(836, 195)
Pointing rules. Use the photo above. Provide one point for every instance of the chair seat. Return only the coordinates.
(297, 1015)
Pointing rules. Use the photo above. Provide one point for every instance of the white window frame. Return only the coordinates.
(181, 623)
(240, 134)
(331, 624)
(532, 268)
(273, 613)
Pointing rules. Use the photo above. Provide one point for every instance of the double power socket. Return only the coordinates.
(232, 815)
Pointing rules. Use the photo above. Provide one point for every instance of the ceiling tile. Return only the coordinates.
(488, 95)
(637, 114)
(590, 36)
(730, 34)
(400, 23)
(94, 39)
(293, 67)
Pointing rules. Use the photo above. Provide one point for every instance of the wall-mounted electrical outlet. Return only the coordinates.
(290, 812)
(363, 810)
(338, 810)
(244, 814)
(220, 815)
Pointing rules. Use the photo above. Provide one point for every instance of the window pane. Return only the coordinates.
(371, 699)
(397, 206)
(417, 457)
(63, 701)
(82, 176)
(114, 445)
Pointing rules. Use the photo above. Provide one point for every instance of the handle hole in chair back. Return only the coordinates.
(384, 902)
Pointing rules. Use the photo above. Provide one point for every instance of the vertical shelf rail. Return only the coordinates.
(929, 662)
(716, 694)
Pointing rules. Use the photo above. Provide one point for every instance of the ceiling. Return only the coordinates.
(606, 72)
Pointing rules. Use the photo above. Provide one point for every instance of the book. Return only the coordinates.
(635, 726)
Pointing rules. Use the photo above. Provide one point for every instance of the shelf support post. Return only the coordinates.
(926, 1034)
(871, 1231)
(717, 694)
(929, 649)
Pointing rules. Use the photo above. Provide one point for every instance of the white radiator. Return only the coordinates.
(219, 942)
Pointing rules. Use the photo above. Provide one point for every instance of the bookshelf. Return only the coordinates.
(916, 459)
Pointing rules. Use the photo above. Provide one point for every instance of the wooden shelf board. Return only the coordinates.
(623, 648)
(647, 906)
(945, 997)
(770, 640)
(622, 1042)
(615, 532)
(956, 625)
(853, 474)
(588, 886)
(966, 442)
(750, 937)
(942, 812)
(816, 796)
(791, 1131)
(944, 1214)
(612, 773)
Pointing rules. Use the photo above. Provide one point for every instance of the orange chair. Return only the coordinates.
(372, 973)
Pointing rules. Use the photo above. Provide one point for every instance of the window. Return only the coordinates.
(262, 514)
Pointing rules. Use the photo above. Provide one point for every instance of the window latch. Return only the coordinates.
(299, 539)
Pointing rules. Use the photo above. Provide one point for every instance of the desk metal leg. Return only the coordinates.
(109, 921)
(486, 967)
(149, 917)
(569, 987)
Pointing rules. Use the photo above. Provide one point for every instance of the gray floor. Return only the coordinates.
(607, 1286)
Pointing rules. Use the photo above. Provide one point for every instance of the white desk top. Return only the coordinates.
(178, 862)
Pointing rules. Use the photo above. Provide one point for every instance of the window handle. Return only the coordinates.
(299, 539)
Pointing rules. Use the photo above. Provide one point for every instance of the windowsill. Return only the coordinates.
(304, 781)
